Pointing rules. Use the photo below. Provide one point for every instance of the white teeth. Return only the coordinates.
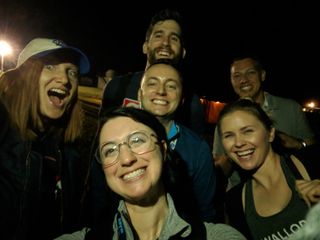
(160, 102)
(134, 174)
(244, 153)
(164, 53)
(246, 87)
(57, 90)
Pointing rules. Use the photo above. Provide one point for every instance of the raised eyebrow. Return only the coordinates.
(158, 31)
(247, 126)
(152, 78)
(171, 33)
(176, 34)
(227, 132)
(173, 80)
(106, 143)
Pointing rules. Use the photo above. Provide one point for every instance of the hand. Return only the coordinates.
(288, 141)
(309, 190)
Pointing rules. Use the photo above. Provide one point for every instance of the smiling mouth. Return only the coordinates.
(134, 174)
(160, 102)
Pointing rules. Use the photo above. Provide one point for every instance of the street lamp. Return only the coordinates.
(5, 49)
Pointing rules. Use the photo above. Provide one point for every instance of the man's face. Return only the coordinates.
(164, 42)
(161, 90)
(246, 79)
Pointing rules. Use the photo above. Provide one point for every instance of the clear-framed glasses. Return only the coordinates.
(139, 142)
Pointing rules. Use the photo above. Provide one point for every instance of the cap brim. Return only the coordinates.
(84, 64)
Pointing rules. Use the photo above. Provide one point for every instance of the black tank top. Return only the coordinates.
(280, 225)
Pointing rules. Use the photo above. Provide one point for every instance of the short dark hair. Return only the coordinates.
(258, 63)
(162, 15)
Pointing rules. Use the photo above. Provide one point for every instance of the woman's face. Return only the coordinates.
(133, 176)
(57, 86)
(245, 139)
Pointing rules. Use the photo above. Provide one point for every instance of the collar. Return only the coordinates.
(174, 225)
(266, 105)
(173, 132)
(173, 135)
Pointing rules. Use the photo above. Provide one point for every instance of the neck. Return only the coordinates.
(269, 172)
(148, 220)
(167, 123)
(259, 98)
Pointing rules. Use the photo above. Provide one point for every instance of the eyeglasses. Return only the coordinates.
(138, 142)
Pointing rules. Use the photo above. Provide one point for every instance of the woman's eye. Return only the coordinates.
(49, 67)
(73, 73)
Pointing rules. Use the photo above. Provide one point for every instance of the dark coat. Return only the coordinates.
(28, 209)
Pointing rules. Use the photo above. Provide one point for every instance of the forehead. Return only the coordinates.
(163, 71)
(238, 118)
(167, 26)
(119, 127)
(243, 64)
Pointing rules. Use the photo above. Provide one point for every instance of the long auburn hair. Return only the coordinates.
(19, 92)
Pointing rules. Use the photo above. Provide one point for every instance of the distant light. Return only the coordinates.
(5, 49)
(311, 104)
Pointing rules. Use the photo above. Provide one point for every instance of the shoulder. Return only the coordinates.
(222, 232)
(120, 79)
(309, 157)
(190, 138)
(277, 100)
(187, 132)
(79, 235)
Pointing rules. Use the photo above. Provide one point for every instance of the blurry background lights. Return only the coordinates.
(5, 49)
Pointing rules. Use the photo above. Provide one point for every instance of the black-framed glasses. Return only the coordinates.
(139, 142)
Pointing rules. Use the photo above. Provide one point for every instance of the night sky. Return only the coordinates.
(283, 33)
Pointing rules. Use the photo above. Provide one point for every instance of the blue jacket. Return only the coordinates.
(196, 152)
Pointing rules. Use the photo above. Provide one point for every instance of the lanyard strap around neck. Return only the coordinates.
(120, 227)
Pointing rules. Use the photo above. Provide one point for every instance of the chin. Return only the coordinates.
(54, 115)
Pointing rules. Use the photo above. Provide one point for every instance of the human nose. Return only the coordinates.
(243, 77)
(62, 76)
(161, 90)
(239, 141)
(125, 155)
(166, 40)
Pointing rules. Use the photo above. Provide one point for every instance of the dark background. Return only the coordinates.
(285, 34)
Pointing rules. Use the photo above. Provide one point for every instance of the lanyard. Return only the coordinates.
(120, 227)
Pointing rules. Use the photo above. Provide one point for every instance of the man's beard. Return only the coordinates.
(176, 60)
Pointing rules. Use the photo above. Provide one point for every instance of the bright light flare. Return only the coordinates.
(5, 48)
(311, 104)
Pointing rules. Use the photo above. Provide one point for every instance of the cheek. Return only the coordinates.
(110, 173)
(176, 96)
(227, 144)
